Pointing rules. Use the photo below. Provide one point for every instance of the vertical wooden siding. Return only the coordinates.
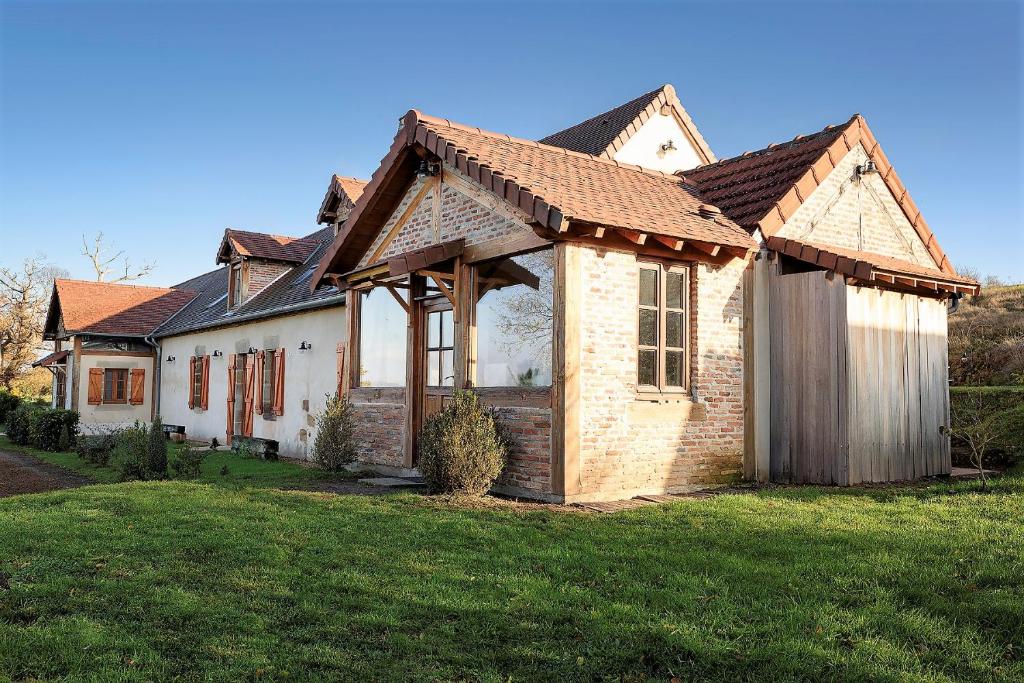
(898, 394)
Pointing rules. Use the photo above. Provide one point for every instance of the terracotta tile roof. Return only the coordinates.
(115, 309)
(342, 193)
(606, 133)
(763, 189)
(867, 265)
(55, 358)
(265, 246)
(554, 186)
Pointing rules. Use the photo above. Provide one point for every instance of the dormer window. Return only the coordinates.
(235, 286)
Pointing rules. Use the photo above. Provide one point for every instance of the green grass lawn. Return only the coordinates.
(240, 471)
(165, 580)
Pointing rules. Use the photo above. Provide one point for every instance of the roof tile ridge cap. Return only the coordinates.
(113, 284)
(673, 101)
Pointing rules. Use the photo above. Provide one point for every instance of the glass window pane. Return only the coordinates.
(648, 327)
(434, 368)
(447, 329)
(433, 330)
(514, 321)
(382, 336)
(447, 368)
(647, 367)
(648, 287)
(674, 329)
(674, 290)
(674, 368)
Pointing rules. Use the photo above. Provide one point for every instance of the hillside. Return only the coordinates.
(986, 338)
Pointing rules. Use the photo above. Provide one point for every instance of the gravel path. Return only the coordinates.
(21, 473)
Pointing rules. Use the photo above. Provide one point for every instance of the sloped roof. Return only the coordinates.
(264, 246)
(55, 358)
(554, 186)
(867, 265)
(763, 189)
(606, 133)
(113, 309)
(288, 293)
(343, 192)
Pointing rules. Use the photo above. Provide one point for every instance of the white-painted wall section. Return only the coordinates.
(309, 375)
(113, 415)
(644, 147)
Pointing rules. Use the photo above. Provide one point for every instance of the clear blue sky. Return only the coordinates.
(162, 124)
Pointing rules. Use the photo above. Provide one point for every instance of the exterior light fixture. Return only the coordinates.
(668, 146)
(427, 169)
(217, 354)
(867, 168)
(170, 359)
(252, 350)
(305, 346)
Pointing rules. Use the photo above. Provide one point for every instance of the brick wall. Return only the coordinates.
(529, 459)
(379, 428)
(863, 216)
(630, 446)
(261, 274)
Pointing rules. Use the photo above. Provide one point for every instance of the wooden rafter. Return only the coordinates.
(673, 243)
(634, 236)
(400, 223)
(398, 297)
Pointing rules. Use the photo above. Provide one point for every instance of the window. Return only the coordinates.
(662, 328)
(268, 384)
(383, 328)
(440, 349)
(197, 382)
(115, 385)
(235, 286)
(514, 321)
(60, 376)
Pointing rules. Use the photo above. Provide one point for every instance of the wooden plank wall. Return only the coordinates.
(808, 378)
(898, 396)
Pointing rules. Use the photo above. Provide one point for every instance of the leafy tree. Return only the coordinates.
(24, 298)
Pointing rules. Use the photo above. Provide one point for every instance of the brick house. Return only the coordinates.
(647, 318)
(644, 317)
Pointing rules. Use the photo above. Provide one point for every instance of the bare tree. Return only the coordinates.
(112, 267)
(24, 297)
(975, 423)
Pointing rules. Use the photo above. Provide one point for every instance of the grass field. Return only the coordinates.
(164, 580)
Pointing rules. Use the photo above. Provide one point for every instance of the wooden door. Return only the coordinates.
(438, 355)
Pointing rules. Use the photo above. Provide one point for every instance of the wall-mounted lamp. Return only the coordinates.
(252, 350)
(428, 168)
(867, 168)
(170, 359)
(217, 354)
(668, 146)
(305, 346)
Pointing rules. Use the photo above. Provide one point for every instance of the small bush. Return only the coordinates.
(461, 448)
(1001, 411)
(187, 464)
(129, 455)
(19, 424)
(334, 445)
(156, 451)
(8, 402)
(47, 425)
(96, 448)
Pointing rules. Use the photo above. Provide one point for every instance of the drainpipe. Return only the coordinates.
(156, 372)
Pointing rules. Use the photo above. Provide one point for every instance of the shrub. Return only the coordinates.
(334, 445)
(461, 447)
(995, 413)
(187, 464)
(8, 402)
(96, 448)
(47, 426)
(129, 454)
(156, 451)
(19, 424)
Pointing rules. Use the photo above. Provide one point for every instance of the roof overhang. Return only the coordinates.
(55, 358)
(876, 269)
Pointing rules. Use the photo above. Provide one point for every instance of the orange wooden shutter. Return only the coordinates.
(250, 361)
(260, 357)
(204, 389)
(191, 382)
(231, 398)
(279, 382)
(340, 363)
(138, 389)
(95, 386)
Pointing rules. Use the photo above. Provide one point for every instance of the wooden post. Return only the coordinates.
(565, 383)
(414, 374)
(756, 372)
(76, 372)
(353, 307)
(465, 324)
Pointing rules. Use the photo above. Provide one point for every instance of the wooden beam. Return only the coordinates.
(398, 297)
(435, 206)
(504, 246)
(514, 272)
(400, 223)
(565, 380)
(634, 236)
(485, 197)
(673, 243)
(443, 287)
(436, 274)
(707, 247)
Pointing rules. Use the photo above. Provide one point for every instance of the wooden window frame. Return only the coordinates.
(438, 307)
(60, 397)
(196, 382)
(235, 286)
(660, 390)
(115, 373)
(269, 389)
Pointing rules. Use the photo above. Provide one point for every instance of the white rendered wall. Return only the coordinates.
(309, 376)
(644, 148)
(112, 415)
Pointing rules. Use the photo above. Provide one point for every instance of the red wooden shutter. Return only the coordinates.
(231, 398)
(204, 389)
(340, 363)
(95, 386)
(260, 357)
(250, 361)
(138, 389)
(191, 382)
(279, 382)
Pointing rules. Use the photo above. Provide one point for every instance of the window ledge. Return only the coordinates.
(662, 408)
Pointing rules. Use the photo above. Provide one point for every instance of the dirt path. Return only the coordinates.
(20, 473)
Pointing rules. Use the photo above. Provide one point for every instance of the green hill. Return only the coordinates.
(986, 338)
